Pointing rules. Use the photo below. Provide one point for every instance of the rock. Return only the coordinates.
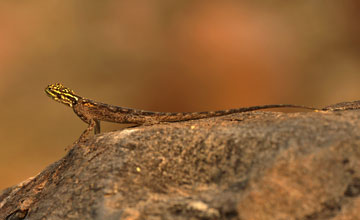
(254, 165)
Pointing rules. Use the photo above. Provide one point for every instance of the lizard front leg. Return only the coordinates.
(97, 127)
(93, 124)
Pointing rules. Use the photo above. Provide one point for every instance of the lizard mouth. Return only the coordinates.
(49, 93)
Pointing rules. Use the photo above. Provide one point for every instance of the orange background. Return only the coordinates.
(164, 56)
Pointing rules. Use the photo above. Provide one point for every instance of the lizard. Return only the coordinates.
(92, 112)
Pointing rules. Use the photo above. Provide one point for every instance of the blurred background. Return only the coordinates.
(164, 56)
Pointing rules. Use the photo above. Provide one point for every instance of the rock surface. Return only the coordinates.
(255, 165)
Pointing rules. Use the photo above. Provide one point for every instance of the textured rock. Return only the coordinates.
(255, 165)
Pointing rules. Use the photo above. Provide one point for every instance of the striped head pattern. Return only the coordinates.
(61, 94)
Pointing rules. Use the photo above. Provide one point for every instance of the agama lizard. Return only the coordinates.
(92, 112)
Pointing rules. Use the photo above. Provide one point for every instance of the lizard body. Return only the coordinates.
(92, 112)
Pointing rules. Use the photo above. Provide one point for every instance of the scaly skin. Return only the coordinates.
(92, 112)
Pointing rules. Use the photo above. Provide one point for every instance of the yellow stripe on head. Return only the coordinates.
(61, 94)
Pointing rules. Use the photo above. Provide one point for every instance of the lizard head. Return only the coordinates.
(61, 94)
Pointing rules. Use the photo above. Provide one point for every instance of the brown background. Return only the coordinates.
(164, 56)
